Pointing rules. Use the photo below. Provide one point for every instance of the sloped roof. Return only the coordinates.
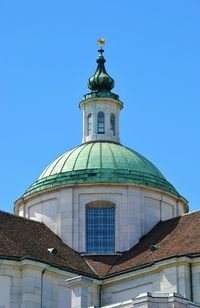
(176, 237)
(24, 238)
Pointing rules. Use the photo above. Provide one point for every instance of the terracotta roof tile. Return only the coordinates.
(20, 237)
(176, 236)
(101, 264)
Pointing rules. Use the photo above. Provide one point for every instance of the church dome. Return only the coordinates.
(100, 162)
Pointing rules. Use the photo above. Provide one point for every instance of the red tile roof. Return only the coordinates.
(177, 236)
(25, 238)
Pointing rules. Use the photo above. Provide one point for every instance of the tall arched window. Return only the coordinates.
(89, 124)
(100, 228)
(112, 124)
(101, 123)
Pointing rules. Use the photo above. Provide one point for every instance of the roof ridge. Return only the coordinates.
(21, 217)
(58, 160)
(82, 147)
(89, 153)
(49, 165)
(71, 152)
(113, 156)
(144, 159)
(88, 263)
(115, 262)
(124, 157)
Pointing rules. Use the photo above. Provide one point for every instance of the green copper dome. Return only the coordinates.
(101, 80)
(101, 83)
(100, 162)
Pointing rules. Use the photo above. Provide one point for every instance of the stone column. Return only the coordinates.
(79, 286)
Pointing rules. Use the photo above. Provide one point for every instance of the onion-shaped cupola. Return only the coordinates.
(101, 81)
(101, 107)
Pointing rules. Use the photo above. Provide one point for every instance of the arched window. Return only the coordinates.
(100, 228)
(112, 124)
(89, 124)
(101, 123)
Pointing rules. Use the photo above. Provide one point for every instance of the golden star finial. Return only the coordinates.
(101, 41)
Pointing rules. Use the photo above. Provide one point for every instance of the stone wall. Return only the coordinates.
(28, 284)
(137, 211)
(108, 107)
(156, 300)
(179, 275)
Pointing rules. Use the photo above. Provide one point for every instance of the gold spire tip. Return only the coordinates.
(101, 41)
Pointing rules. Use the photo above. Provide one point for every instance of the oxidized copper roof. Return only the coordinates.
(101, 162)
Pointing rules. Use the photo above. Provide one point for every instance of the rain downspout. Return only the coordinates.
(191, 282)
(42, 277)
(100, 295)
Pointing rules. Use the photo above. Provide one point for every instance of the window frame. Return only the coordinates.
(101, 122)
(112, 123)
(104, 225)
(89, 124)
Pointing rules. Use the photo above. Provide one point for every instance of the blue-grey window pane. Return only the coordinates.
(112, 124)
(101, 123)
(100, 230)
(89, 124)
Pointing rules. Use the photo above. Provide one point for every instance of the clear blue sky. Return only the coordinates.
(48, 51)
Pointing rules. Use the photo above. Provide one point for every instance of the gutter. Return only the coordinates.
(100, 295)
(191, 282)
(42, 278)
(60, 267)
(134, 269)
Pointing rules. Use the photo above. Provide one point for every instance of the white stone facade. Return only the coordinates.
(137, 211)
(167, 276)
(156, 300)
(173, 275)
(93, 107)
(32, 284)
(35, 285)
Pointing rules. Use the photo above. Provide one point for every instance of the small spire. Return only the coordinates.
(101, 81)
(101, 42)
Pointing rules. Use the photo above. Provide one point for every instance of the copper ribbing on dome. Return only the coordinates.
(101, 162)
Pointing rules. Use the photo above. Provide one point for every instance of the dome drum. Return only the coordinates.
(63, 209)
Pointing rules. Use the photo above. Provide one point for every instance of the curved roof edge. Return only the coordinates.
(99, 176)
